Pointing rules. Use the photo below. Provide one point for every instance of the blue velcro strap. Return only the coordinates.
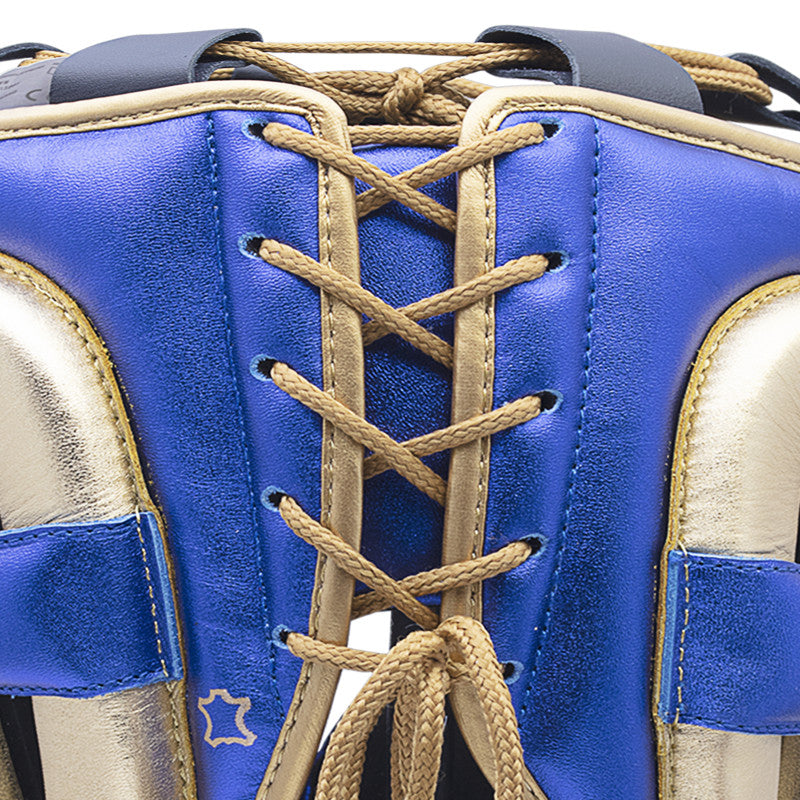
(85, 609)
(731, 646)
(604, 61)
(137, 63)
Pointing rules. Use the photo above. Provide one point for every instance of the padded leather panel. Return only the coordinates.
(404, 258)
(183, 315)
(731, 651)
(78, 615)
(658, 246)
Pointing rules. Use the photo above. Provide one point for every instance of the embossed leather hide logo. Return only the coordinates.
(225, 712)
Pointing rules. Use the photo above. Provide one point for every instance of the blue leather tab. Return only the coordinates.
(604, 61)
(731, 649)
(86, 609)
(137, 63)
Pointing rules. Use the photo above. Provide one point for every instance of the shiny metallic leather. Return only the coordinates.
(735, 492)
(64, 458)
(630, 193)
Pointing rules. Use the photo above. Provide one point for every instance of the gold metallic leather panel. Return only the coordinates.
(9, 788)
(736, 491)
(67, 455)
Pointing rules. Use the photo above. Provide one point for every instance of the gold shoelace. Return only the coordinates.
(436, 99)
(419, 108)
(418, 672)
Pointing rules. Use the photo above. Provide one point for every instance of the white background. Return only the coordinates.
(770, 28)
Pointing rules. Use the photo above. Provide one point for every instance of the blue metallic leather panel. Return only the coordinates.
(405, 257)
(141, 226)
(86, 609)
(658, 247)
(731, 650)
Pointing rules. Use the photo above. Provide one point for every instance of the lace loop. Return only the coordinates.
(440, 95)
(417, 673)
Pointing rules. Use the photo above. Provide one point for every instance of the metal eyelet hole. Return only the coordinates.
(536, 544)
(551, 127)
(254, 130)
(261, 367)
(250, 244)
(557, 260)
(550, 401)
(512, 670)
(271, 498)
(280, 635)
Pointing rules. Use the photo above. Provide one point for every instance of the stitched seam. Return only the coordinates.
(151, 594)
(682, 640)
(115, 682)
(144, 117)
(102, 533)
(687, 138)
(316, 603)
(696, 564)
(483, 444)
(229, 345)
(579, 433)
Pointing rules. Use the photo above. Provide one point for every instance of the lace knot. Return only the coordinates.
(404, 96)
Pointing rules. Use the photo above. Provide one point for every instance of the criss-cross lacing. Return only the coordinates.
(418, 672)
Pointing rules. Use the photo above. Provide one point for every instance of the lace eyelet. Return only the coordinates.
(261, 367)
(551, 401)
(512, 671)
(250, 244)
(254, 129)
(536, 543)
(551, 126)
(279, 635)
(557, 260)
(271, 498)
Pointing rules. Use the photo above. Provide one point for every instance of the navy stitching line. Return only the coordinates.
(582, 415)
(214, 164)
(695, 563)
(156, 673)
(103, 534)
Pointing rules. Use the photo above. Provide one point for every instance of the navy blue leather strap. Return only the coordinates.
(85, 609)
(741, 109)
(732, 650)
(137, 63)
(16, 52)
(605, 61)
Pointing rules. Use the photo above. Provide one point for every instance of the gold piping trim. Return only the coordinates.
(705, 360)
(101, 361)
